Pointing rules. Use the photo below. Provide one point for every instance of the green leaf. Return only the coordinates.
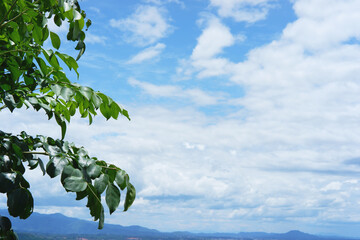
(41, 164)
(54, 62)
(86, 92)
(88, 23)
(105, 110)
(130, 196)
(111, 171)
(112, 197)
(57, 20)
(81, 195)
(101, 182)
(72, 109)
(9, 101)
(95, 206)
(122, 179)
(96, 100)
(81, 46)
(76, 182)
(17, 150)
(66, 172)
(56, 89)
(38, 34)
(55, 40)
(67, 93)
(93, 170)
(115, 110)
(7, 182)
(43, 66)
(55, 166)
(20, 203)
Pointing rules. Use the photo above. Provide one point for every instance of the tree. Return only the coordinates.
(33, 77)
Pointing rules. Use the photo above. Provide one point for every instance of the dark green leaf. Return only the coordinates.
(75, 182)
(7, 182)
(88, 23)
(57, 20)
(5, 224)
(122, 179)
(81, 52)
(130, 196)
(112, 197)
(100, 183)
(81, 195)
(20, 203)
(55, 166)
(9, 101)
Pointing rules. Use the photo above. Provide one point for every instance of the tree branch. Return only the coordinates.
(40, 153)
(3, 24)
(15, 50)
(6, 15)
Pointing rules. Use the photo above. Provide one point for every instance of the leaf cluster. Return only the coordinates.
(86, 176)
(32, 76)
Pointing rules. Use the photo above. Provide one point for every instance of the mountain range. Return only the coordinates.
(58, 224)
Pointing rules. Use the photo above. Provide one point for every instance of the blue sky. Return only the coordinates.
(245, 114)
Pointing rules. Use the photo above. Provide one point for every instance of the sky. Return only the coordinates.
(244, 114)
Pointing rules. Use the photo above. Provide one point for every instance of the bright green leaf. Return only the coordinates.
(55, 40)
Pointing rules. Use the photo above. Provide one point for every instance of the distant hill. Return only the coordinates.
(59, 225)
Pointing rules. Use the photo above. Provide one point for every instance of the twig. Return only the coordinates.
(40, 153)
(6, 15)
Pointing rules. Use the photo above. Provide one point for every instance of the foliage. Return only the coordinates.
(5, 229)
(33, 77)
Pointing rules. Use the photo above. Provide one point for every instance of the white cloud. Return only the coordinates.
(242, 10)
(323, 29)
(209, 44)
(204, 58)
(147, 53)
(197, 96)
(299, 117)
(64, 27)
(162, 2)
(91, 38)
(145, 26)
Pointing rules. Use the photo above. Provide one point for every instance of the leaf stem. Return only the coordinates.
(93, 193)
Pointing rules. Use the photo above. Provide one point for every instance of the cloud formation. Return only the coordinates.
(243, 10)
(147, 54)
(145, 26)
(286, 154)
(197, 96)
